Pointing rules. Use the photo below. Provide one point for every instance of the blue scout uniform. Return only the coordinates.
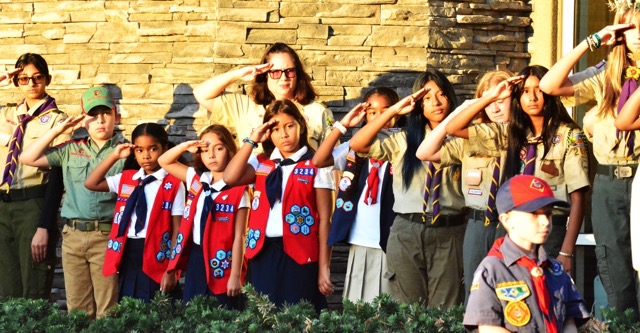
(503, 294)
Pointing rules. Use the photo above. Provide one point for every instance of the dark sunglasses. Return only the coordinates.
(276, 74)
(37, 79)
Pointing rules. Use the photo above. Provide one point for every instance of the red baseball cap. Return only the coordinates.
(526, 193)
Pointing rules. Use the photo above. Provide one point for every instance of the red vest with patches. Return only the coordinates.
(217, 242)
(299, 213)
(157, 243)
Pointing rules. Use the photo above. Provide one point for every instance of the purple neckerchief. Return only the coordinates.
(630, 85)
(15, 144)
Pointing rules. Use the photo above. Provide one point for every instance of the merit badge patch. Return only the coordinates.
(339, 203)
(344, 183)
(45, 118)
(348, 206)
(126, 190)
(255, 203)
(187, 209)
(517, 313)
(475, 191)
(513, 291)
(252, 238)
(556, 139)
(167, 186)
(556, 268)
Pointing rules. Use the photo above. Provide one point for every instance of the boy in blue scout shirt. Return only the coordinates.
(88, 214)
(517, 287)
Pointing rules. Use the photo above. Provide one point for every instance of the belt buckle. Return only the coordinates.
(623, 172)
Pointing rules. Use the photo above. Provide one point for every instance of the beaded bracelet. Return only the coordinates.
(251, 142)
(597, 39)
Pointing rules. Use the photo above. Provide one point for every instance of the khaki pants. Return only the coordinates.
(21, 276)
(82, 260)
(425, 263)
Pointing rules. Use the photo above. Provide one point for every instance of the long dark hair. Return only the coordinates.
(35, 60)
(520, 123)
(292, 110)
(304, 93)
(225, 137)
(391, 96)
(151, 129)
(417, 122)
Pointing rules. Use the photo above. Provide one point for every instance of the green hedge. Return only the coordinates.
(202, 315)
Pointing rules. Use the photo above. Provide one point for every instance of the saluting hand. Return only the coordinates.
(355, 116)
(69, 124)
(407, 104)
(6, 78)
(249, 73)
(608, 33)
(123, 150)
(194, 146)
(503, 89)
(262, 133)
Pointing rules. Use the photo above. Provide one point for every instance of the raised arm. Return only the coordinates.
(323, 156)
(459, 124)
(34, 154)
(96, 180)
(627, 119)
(429, 149)
(362, 140)
(556, 82)
(206, 92)
(170, 159)
(238, 171)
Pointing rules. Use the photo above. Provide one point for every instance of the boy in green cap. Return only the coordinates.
(88, 214)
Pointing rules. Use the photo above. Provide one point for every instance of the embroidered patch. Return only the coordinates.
(223, 219)
(303, 180)
(224, 208)
(339, 203)
(390, 170)
(168, 186)
(166, 205)
(348, 174)
(255, 203)
(179, 240)
(556, 268)
(556, 139)
(117, 217)
(577, 139)
(263, 169)
(517, 313)
(45, 118)
(165, 248)
(224, 197)
(475, 191)
(344, 184)
(536, 185)
(476, 281)
(195, 186)
(300, 220)
(252, 238)
(351, 156)
(513, 292)
(456, 174)
(115, 245)
(304, 171)
(127, 190)
(187, 209)
(348, 206)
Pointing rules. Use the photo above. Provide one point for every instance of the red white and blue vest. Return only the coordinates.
(218, 236)
(299, 212)
(157, 243)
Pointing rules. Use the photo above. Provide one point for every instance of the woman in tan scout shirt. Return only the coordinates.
(27, 234)
(610, 84)
(279, 76)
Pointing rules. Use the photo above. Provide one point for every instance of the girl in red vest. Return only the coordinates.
(147, 214)
(290, 212)
(209, 243)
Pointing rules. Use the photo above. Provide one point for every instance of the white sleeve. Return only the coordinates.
(324, 179)
(191, 172)
(340, 154)
(253, 161)
(114, 182)
(178, 203)
(244, 202)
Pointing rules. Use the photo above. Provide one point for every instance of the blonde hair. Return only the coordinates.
(617, 61)
(486, 81)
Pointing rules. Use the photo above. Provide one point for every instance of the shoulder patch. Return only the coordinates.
(512, 291)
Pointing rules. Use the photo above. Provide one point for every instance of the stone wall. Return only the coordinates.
(152, 53)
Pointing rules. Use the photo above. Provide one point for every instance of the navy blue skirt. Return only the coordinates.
(275, 274)
(133, 281)
(195, 282)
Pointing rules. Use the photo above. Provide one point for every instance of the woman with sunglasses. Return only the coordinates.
(280, 76)
(28, 232)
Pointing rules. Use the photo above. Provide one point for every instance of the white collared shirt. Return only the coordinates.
(150, 192)
(324, 179)
(217, 186)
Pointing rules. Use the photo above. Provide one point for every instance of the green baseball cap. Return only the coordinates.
(97, 96)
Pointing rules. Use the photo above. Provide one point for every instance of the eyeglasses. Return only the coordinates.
(276, 74)
(37, 79)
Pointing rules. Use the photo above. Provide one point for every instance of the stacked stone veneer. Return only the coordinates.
(154, 52)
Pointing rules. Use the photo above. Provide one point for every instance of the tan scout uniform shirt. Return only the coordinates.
(589, 85)
(565, 167)
(240, 114)
(391, 147)
(477, 171)
(26, 176)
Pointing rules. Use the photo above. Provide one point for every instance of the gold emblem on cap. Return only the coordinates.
(517, 313)
(536, 272)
